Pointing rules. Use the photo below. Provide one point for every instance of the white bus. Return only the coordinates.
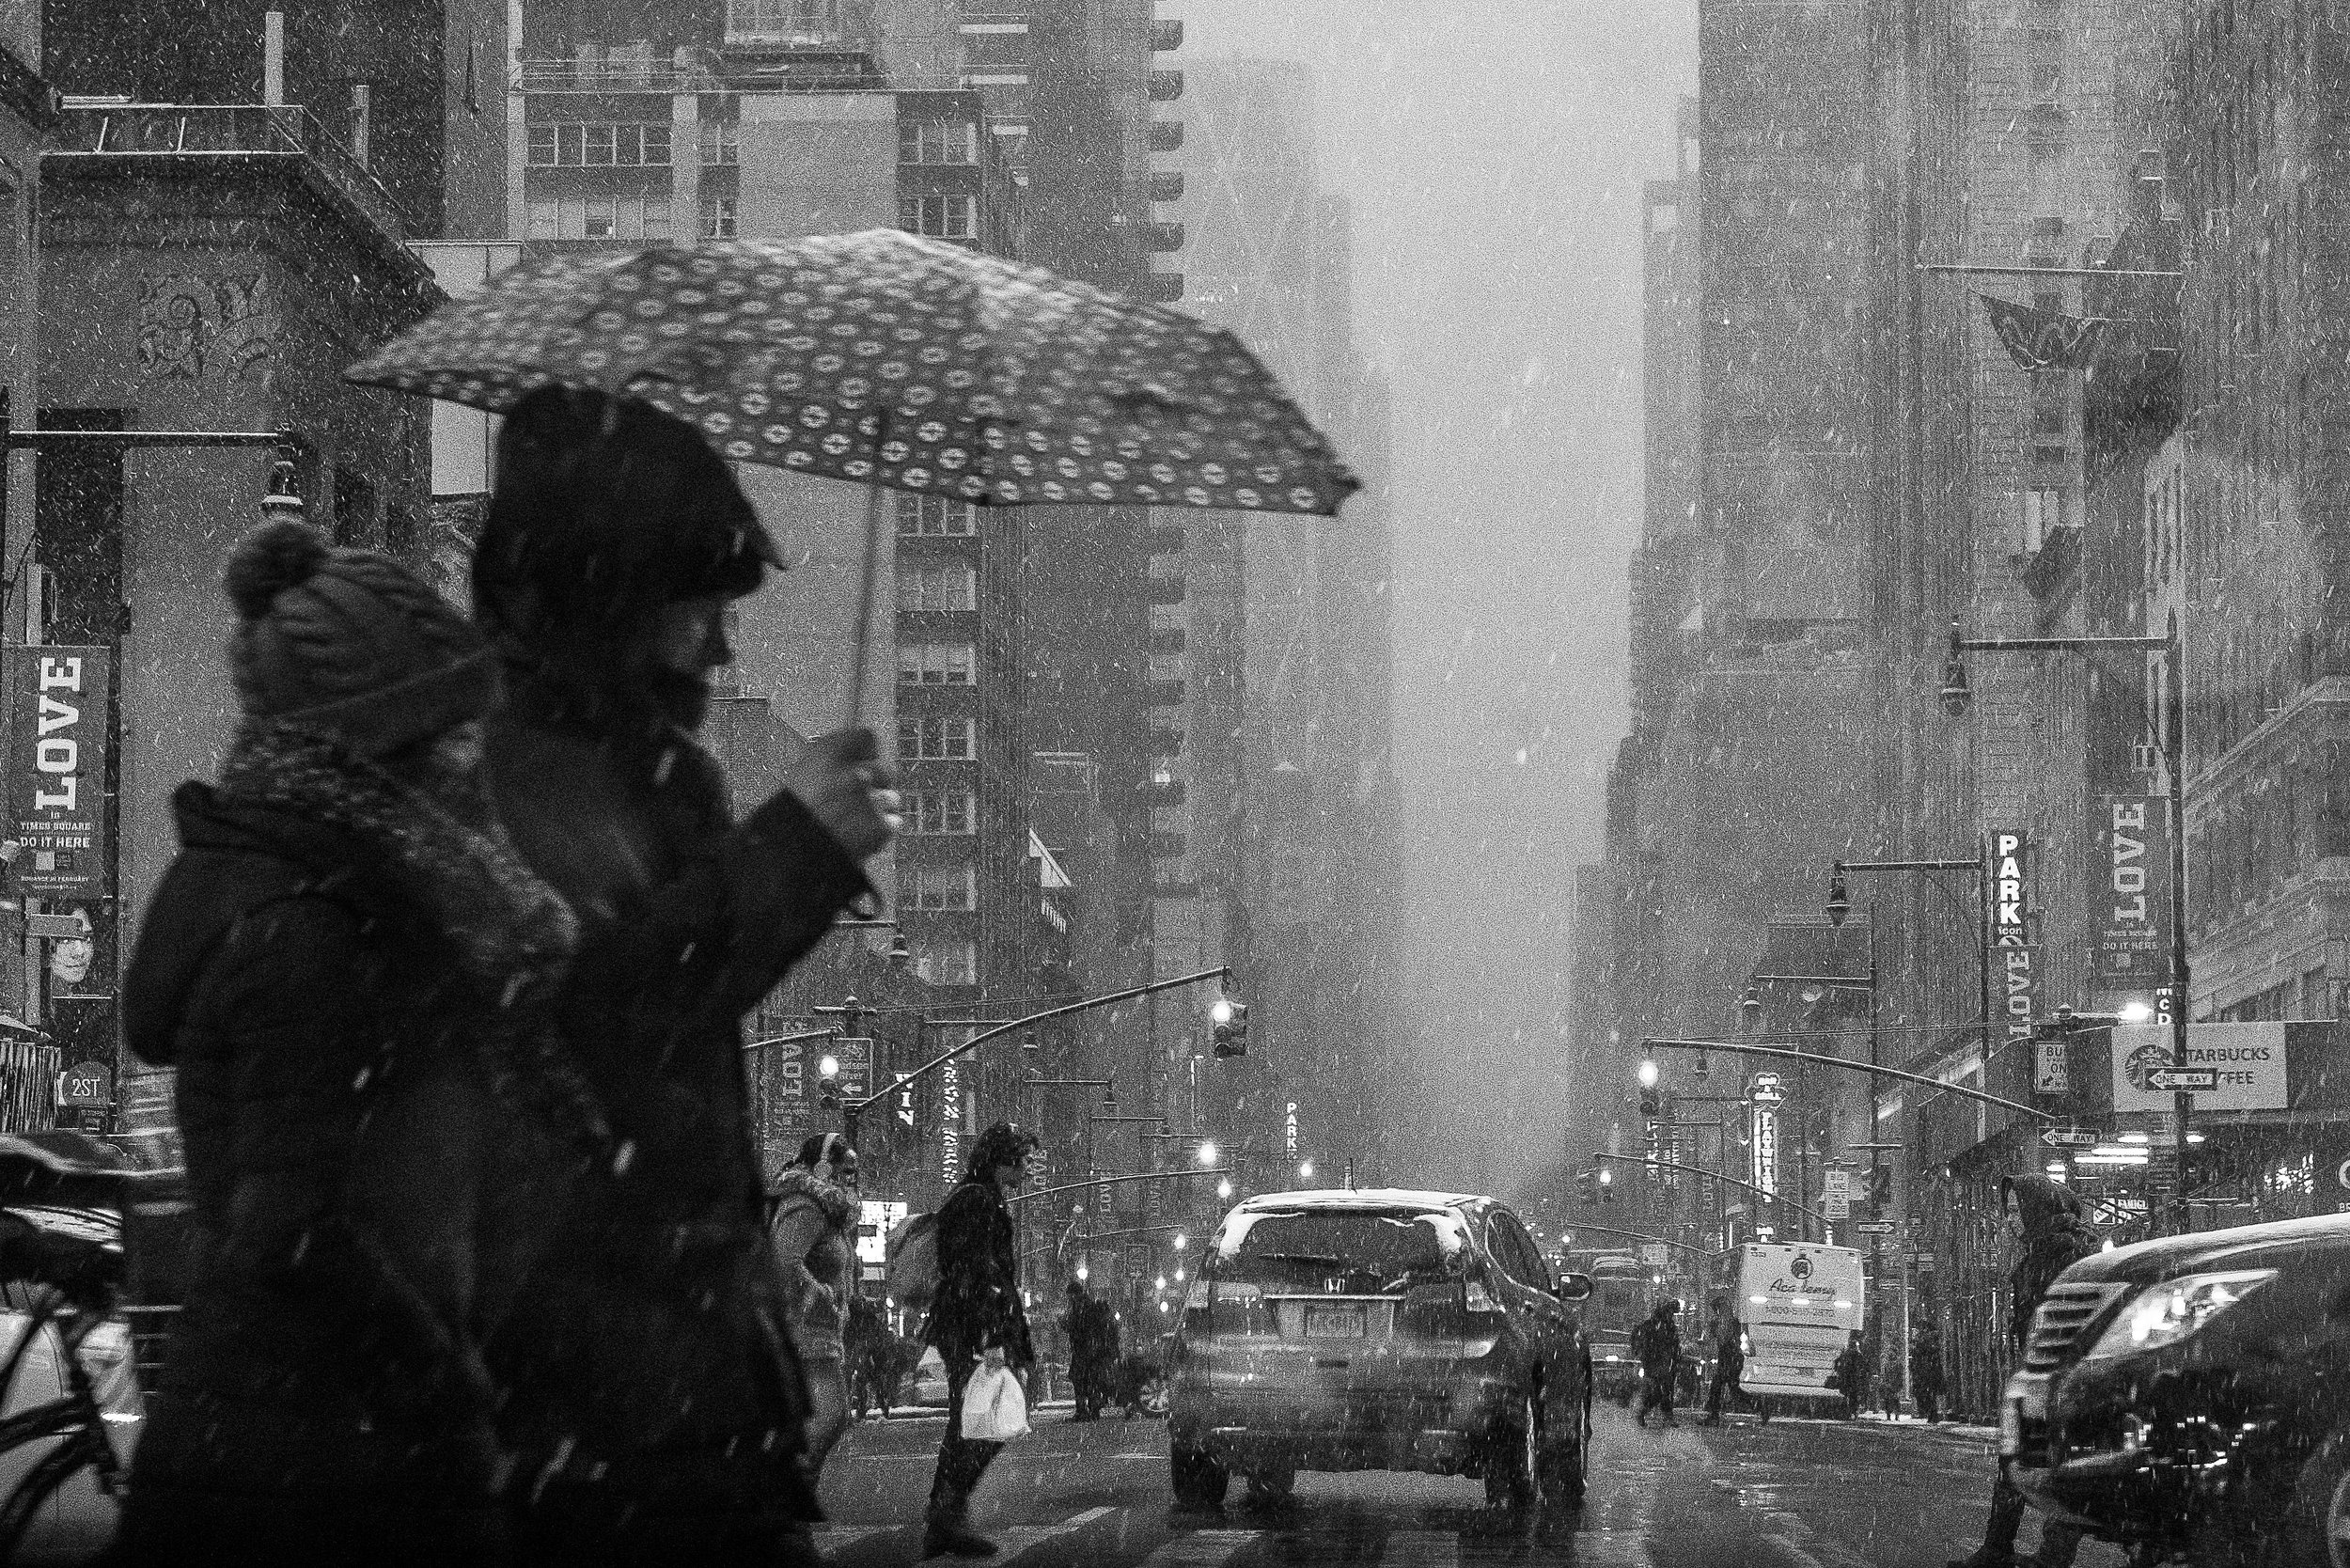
(1800, 1306)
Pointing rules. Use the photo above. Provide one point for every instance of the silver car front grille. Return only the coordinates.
(2065, 1313)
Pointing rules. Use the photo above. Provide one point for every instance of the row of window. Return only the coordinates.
(946, 887)
(937, 664)
(934, 517)
(622, 217)
(939, 813)
(937, 739)
(626, 143)
(945, 217)
(599, 144)
(944, 586)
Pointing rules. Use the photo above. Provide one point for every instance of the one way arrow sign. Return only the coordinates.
(2184, 1080)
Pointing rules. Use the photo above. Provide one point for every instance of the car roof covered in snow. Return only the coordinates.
(1361, 1198)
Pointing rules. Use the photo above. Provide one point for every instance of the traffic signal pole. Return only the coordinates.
(853, 1109)
(1848, 1065)
(1701, 1171)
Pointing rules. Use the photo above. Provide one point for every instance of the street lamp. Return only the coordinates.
(1648, 1072)
(1838, 898)
(1750, 1007)
(1207, 1152)
(1305, 1170)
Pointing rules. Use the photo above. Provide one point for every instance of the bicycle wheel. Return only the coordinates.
(77, 1451)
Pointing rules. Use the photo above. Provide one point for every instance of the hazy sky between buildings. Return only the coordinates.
(1493, 150)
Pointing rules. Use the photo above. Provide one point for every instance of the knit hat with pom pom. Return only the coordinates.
(349, 645)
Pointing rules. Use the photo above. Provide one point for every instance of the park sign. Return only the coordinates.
(2245, 1063)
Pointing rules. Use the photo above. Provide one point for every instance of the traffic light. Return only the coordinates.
(1651, 1101)
(828, 1083)
(1606, 1186)
(1880, 1191)
(1231, 1019)
(1587, 1187)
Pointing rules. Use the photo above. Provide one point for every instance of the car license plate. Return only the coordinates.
(1337, 1322)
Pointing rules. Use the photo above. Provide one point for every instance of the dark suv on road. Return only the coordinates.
(2193, 1394)
(1378, 1330)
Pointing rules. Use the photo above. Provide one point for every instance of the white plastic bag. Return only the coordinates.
(993, 1409)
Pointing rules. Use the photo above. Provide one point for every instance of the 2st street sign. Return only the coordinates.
(2184, 1080)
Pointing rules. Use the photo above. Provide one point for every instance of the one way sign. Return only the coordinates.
(2183, 1080)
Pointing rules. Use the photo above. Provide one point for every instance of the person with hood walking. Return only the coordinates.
(1730, 1359)
(343, 965)
(975, 1316)
(1657, 1344)
(2043, 1219)
(654, 1388)
(1927, 1383)
(814, 1224)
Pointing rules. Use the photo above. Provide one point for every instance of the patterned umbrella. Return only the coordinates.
(893, 360)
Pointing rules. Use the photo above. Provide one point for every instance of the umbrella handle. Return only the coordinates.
(865, 599)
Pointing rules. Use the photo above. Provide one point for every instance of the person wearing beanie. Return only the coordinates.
(656, 1395)
(347, 965)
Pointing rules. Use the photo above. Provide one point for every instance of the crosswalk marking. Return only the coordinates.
(1204, 1548)
(1013, 1541)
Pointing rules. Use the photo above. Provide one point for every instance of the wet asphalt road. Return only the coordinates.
(1796, 1494)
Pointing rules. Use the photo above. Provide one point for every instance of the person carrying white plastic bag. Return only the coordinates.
(993, 1409)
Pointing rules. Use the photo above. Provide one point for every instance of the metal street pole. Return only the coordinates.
(2167, 646)
(1701, 1171)
(1744, 1049)
(853, 1109)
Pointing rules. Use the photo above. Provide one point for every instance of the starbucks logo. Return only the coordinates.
(2146, 1059)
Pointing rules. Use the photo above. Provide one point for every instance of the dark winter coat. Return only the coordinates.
(810, 1231)
(1925, 1363)
(344, 994)
(1657, 1342)
(653, 1384)
(2055, 1238)
(978, 1306)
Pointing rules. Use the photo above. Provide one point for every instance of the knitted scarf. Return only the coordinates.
(511, 934)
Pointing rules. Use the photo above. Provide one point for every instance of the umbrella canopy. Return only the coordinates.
(889, 359)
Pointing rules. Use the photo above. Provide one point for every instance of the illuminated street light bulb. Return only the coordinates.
(1162, 1283)
(1084, 1273)
(1182, 1241)
(1648, 1072)
(2135, 1012)
(1224, 1190)
(1179, 1277)
(1305, 1170)
(1207, 1154)
(829, 1067)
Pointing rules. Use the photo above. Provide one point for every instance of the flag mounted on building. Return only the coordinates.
(2044, 340)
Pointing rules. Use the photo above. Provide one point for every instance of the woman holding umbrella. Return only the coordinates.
(654, 1392)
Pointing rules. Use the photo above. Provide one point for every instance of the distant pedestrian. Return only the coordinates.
(1729, 1359)
(1092, 1351)
(344, 966)
(1926, 1383)
(1657, 1344)
(813, 1232)
(976, 1317)
(1852, 1375)
(2044, 1219)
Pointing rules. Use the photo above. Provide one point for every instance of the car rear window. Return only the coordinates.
(1348, 1251)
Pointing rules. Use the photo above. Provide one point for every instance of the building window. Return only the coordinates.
(945, 217)
(2043, 513)
(934, 517)
(541, 219)
(720, 142)
(717, 218)
(936, 664)
(938, 141)
(935, 740)
(599, 144)
(627, 217)
(949, 963)
(783, 21)
(930, 813)
(952, 586)
(953, 887)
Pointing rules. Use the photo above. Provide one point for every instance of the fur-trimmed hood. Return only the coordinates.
(799, 1185)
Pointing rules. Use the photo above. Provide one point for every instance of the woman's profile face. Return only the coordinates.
(689, 635)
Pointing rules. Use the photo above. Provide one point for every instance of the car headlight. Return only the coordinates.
(2171, 1310)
